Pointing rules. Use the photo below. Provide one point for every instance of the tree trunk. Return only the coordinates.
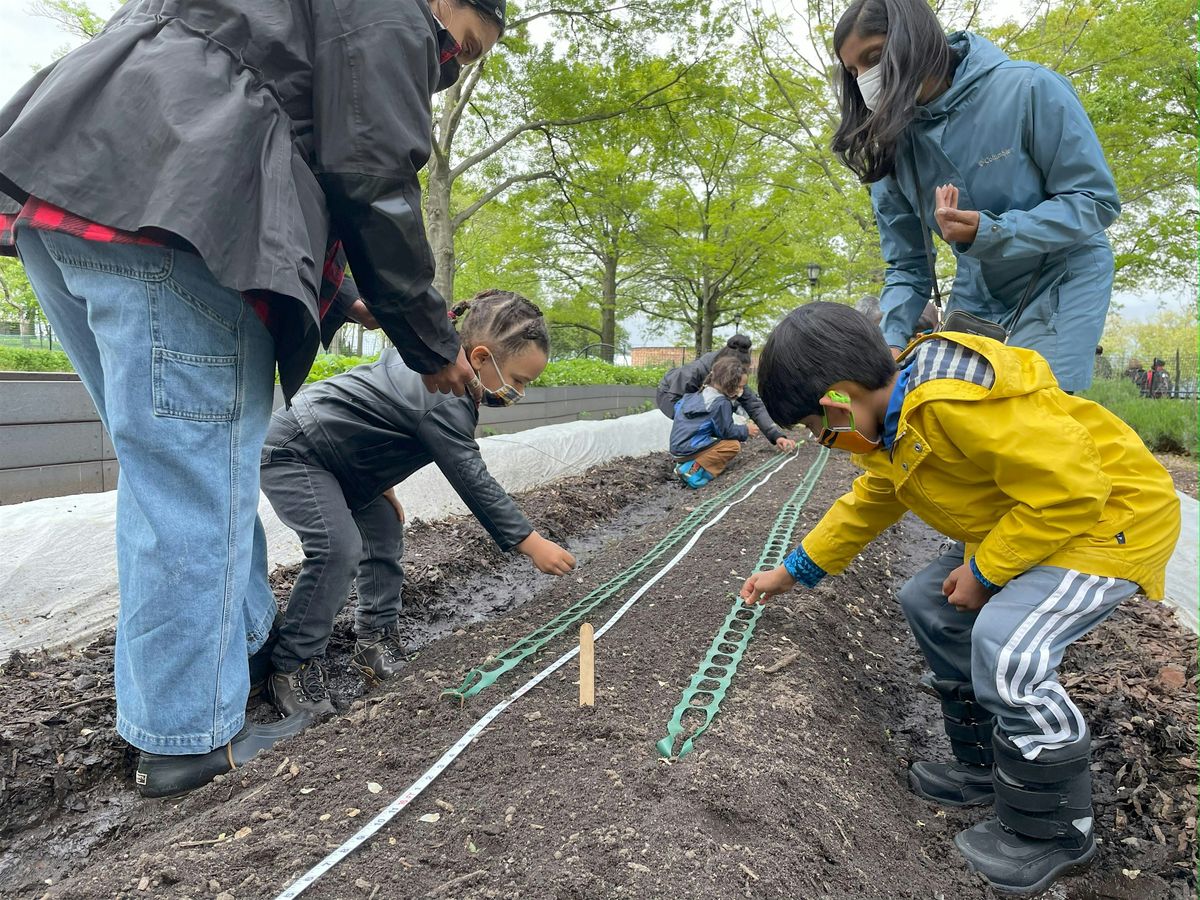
(358, 341)
(707, 315)
(608, 311)
(438, 226)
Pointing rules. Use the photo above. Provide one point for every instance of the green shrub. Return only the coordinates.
(327, 365)
(1167, 426)
(566, 372)
(17, 359)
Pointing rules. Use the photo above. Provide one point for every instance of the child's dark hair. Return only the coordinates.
(503, 320)
(726, 375)
(812, 349)
(737, 347)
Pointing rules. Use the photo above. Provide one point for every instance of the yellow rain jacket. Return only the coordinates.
(1023, 473)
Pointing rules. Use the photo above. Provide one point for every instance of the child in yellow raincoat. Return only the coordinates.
(1057, 513)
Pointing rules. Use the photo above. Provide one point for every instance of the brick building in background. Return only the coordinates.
(673, 356)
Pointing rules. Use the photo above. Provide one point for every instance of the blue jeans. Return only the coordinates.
(182, 373)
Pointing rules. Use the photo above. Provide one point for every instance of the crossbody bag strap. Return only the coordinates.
(1025, 298)
(925, 232)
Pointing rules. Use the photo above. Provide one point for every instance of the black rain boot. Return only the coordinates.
(260, 660)
(380, 657)
(170, 776)
(1043, 825)
(967, 781)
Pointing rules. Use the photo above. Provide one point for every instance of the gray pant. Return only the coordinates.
(338, 543)
(1011, 649)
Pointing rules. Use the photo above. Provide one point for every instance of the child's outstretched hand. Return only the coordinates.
(762, 586)
(785, 444)
(546, 555)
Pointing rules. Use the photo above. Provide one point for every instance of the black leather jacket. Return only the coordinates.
(689, 379)
(253, 130)
(375, 425)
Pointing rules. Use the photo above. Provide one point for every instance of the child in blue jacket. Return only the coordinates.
(704, 437)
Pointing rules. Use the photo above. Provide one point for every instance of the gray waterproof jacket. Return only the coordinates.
(375, 425)
(689, 379)
(253, 129)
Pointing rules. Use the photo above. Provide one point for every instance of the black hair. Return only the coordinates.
(737, 347)
(726, 375)
(812, 349)
(915, 50)
(503, 321)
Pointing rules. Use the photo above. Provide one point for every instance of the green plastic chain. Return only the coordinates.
(510, 657)
(703, 695)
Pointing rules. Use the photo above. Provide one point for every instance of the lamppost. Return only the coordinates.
(814, 276)
(737, 322)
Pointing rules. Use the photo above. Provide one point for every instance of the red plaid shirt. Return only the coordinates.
(47, 217)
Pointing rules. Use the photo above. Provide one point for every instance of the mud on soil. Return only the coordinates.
(796, 791)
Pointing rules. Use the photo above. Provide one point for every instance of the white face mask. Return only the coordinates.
(870, 84)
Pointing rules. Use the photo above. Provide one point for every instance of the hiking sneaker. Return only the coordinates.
(692, 475)
(379, 658)
(1015, 864)
(952, 784)
(303, 691)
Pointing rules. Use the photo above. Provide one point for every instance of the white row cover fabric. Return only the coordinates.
(58, 572)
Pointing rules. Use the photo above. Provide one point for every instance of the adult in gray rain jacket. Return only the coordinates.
(999, 159)
(184, 181)
(689, 379)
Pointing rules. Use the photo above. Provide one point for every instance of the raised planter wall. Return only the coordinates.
(52, 443)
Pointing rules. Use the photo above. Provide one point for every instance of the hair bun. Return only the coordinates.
(738, 342)
(459, 309)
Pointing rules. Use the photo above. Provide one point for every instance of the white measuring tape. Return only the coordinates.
(389, 812)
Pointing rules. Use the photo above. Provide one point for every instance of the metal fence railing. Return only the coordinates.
(28, 336)
(1169, 374)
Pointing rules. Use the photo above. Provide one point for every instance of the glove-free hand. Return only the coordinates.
(455, 378)
(958, 226)
(964, 591)
(762, 586)
(545, 555)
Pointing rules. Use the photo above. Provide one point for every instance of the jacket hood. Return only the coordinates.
(978, 57)
(694, 406)
(1018, 371)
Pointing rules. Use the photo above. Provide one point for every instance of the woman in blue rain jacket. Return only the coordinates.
(999, 159)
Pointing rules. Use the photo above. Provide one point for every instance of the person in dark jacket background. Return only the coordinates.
(186, 183)
(704, 437)
(329, 467)
(689, 379)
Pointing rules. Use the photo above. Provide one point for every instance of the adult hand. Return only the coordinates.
(964, 591)
(358, 312)
(785, 444)
(546, 556)
(390, 494)
(455, 378)
(958, 226)
(762, 586)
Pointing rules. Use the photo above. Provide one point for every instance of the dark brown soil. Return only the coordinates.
(1185, 471)
(796, 791)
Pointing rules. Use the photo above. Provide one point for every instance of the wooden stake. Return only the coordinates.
(587, 666)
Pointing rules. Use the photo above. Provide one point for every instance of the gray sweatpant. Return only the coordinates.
(1011, 649)
(338, 544)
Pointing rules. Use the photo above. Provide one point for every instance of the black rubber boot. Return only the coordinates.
(303, 691)
(1043, 825)
(260, 660)
(170, 776)
(966, 781)
(379, 658)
